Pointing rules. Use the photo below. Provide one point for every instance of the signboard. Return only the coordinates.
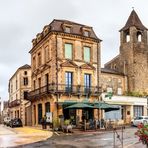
(49, 117)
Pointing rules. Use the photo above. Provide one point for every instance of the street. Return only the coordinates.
(30, 138)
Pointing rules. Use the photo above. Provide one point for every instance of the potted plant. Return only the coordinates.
(56, 124)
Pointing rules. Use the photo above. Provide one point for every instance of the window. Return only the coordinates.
(87, 82)
(67, 29)
(127, 37)
(25, 72)
(11, 88)
(46, 79)
(39, 82)
(139, 36)
(34, 84)
(87, 54)
(68, 80)
(16, 84)
(68, 51)
(109, 89)
(119, 91)
(86, 33)
(25, 95)
(138, 110)
(46, 54)
(25, 81)
(39, 59)
(34, 63)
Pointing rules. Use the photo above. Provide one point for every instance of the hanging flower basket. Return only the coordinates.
(142, 133)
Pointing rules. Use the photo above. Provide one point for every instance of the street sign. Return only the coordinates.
(109, 94)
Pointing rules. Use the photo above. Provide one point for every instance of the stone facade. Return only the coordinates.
(19, 86)
(114, 82)
(133, 58)
(50, 66)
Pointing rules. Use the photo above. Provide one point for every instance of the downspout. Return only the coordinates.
(57, 96)
(98, 72)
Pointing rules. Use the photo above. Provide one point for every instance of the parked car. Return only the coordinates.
(7, 121)
(140, 119)
(16, 123)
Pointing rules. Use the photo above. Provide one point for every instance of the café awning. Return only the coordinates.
(105, 106)
(79, 106)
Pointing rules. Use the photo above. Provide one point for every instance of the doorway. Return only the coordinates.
(39, 113)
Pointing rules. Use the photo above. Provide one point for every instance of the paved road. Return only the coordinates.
(90, 140)
(19, 136)
(28, 137)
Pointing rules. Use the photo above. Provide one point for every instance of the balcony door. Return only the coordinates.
(69, 81)
(87, 83)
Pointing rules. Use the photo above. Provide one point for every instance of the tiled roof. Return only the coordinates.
(26, 66)
(134, 20)
(56, 25)
(110, 71)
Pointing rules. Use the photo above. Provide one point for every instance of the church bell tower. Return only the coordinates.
(134, 53)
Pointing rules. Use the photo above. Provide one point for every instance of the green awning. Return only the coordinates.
(69, 102)
(79, 106)
(105, 106)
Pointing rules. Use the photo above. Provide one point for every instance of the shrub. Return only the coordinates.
(142, 133)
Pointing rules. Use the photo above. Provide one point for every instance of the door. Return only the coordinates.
(68, 79)
(39, 113)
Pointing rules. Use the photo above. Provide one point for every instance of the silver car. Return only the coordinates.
(140, 119)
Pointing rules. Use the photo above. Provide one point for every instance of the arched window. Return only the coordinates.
(139, 36)
(127, 37)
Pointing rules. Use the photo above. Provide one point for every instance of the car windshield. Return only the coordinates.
(140, 118)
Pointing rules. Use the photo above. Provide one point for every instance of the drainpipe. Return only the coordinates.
(57, 96)
(98, 72)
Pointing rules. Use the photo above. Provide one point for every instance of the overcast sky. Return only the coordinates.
(21, 20)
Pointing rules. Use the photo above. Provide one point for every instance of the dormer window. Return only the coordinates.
(86, 33)
(46, 30)
(67, 29)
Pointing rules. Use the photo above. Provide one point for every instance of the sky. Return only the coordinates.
(21, 20)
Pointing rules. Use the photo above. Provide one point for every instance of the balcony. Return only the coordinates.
(64, 89)
(14, 103)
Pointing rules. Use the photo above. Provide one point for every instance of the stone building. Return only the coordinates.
(128, 71)
(5, 111)
(19, 85)
(113, 81)
(65, 61)
(132, 60)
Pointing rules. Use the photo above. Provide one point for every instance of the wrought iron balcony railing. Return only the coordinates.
(64, 89)
(14, 103)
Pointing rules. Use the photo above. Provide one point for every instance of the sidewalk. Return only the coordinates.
(29, 130)
(28, 135)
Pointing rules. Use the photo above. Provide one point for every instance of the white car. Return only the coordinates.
(140, 119)
(7, 121)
